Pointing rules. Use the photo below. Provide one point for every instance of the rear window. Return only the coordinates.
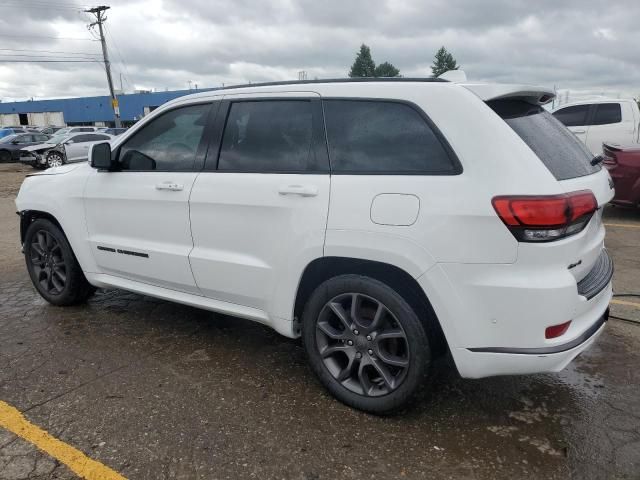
(560, 150)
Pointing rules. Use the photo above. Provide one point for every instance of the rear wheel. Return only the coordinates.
(365, 343)
(55, 159)
(53, 267)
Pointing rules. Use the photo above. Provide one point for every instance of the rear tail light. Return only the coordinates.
(555, 331)
(609, 157)
(544, 218)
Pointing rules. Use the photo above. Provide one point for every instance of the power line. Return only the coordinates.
(40, 6)
(49, 61)
(49, 37)
(48, 51)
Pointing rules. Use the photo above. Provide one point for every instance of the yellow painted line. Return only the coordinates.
(12, 420)
(625, 225)
(624, 302)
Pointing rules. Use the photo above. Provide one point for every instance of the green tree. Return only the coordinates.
(363, 66)
(386, 70)
(443, 62)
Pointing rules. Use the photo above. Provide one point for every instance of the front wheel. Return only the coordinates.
(52, 265)
(55, 159)
(5, 156)
(365, 343)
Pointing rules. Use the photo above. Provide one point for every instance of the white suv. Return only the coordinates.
(385, 222)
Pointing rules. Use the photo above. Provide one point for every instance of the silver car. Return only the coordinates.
(61, 149)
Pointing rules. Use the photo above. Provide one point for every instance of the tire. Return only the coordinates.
(52, 265)
(5, 156)
(55, 159)
(347, 352)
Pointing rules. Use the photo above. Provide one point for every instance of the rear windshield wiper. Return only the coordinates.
(596, 160)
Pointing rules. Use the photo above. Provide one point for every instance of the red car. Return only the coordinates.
(623, 163)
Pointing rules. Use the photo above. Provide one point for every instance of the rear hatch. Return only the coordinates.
(575, 169)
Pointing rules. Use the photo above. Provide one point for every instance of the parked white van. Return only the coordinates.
(384, 221)
(603, 120)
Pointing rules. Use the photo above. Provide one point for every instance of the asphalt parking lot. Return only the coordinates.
(155, 390)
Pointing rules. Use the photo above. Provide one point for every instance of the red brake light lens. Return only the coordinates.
(545, 218)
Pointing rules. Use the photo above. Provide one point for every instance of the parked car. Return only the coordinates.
(68, 130)
(10, 146)
(604, 120)
(463, 217)
(115, 131)
(61, 149)
(50, 130)
(6, 131)
(623, 163)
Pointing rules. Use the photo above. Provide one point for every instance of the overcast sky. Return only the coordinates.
(587, 45)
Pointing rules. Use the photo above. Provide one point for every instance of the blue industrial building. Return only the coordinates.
(85, 110)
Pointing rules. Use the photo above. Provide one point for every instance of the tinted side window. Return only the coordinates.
(268, 136)
(607, 113)
(575, 116)
(97, 138)
(382, 137)
(40, 138)
(81, 138)
(169, 142)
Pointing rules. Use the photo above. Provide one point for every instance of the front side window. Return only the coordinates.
(382, 137)
(268, 136)
(575, 116)
(607, 113)
(167, 143)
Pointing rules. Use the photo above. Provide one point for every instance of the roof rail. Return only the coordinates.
(338, 80)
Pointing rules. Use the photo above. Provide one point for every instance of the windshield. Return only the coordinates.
(56, 139)
(8, 138)
(63, 131)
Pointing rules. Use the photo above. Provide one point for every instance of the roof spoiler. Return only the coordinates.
(496, 91)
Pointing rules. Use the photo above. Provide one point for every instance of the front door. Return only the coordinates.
(259, 212)
(138, 217)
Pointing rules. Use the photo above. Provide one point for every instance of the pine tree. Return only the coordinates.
(363, 66)
(386, 70)
(443, 62)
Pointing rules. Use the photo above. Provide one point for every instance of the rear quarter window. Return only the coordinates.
(559, 150)
(384, 137)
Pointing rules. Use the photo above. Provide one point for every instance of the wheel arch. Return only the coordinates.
(324, 268)
(27, 217)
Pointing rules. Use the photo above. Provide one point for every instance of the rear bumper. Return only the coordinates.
(494, 317)
(474, 364)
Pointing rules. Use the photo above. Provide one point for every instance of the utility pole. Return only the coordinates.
(100, 18)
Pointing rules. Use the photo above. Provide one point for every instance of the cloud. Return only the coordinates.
(577, 45)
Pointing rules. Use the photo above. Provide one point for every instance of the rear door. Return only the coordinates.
(79, 150)
(610, 122)
(259, 210)
(575, 118)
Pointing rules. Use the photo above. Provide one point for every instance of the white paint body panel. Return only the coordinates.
(230, 242)
(625, 132)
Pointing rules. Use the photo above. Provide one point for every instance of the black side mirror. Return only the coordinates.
(100, 156)
(15, 142)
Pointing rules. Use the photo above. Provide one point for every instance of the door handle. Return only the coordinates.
(176, 187)
(302, 190)
(579, 131)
